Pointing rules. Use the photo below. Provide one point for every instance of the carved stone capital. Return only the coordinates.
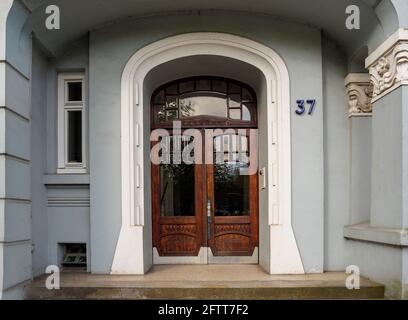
(390, 70)
(359, 94)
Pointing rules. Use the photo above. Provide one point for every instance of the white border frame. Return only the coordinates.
(130, 257)
(64, 167)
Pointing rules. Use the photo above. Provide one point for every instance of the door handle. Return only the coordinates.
(209, 218)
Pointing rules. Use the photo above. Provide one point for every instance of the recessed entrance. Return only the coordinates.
(204, 193)
(215, 54)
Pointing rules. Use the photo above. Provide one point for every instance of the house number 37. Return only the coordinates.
(301, 107)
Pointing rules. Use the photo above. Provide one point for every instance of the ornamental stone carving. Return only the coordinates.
(390, 71)
(359, 94)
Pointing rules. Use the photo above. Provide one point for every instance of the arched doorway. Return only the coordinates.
(278, 251)
(204, 198)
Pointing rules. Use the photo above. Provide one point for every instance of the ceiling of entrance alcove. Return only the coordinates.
(203, 65)
(79, 16)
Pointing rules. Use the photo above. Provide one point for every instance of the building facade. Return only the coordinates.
(316, 90)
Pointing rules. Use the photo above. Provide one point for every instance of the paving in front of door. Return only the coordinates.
(204, 282)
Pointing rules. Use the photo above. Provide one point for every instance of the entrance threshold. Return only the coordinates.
(205, 256)
(204, 282)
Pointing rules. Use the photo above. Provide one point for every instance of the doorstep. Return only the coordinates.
(204, 282)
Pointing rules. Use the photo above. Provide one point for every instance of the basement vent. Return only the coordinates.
(74, 255)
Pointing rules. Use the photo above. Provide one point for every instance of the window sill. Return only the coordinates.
(66, 179)
(72, 170)
(366, 232)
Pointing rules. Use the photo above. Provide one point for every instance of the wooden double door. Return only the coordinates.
(210, 204)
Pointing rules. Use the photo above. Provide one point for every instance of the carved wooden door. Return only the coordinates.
(177, 204)
(207, 204)
(232, 198)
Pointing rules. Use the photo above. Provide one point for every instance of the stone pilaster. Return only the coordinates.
(388, 67)
(359, 93)
(384, 231)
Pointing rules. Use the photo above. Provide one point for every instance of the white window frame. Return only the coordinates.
(64, 106)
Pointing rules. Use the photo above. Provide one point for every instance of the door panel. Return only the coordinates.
(177, 206)
(233, 197)
(211, 205)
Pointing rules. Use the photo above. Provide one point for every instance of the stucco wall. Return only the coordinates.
(75, 59)
(389, 182)
(336, 156)
(109, 50)
(39, 225)
(385, 264)
(111, 47)
(67, 196)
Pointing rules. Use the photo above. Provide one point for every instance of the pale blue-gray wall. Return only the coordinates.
(336, 155)
(39, 225)
(110, 48)
(319, 166)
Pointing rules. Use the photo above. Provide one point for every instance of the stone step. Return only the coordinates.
(212, 293)
(204, 282)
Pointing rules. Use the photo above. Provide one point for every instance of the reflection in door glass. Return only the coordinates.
(177, 190)
(176, 180)
(231, 189)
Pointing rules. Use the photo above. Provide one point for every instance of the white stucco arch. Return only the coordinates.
(130, 255)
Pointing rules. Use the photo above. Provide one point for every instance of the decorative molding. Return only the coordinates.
(359, 93)
(388, 65)
(400, 35)
(136, 219)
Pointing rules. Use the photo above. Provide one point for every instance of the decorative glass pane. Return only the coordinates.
(235, 114)
(246, 113)
(234, 88)
(177, 197)
(191, 106)
(220, 86)
(171, 102)
(172, 89)
(177, 190)
(234, 101)
(195, 97)
(159, 97)
(161, 113)
(247, 95)
(203, 84)
(186, 86)
(243, 144)
(171, 114)
(74, 136)
(74, 91)
(231, 190)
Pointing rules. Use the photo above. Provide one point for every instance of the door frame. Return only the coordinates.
(279, 253)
